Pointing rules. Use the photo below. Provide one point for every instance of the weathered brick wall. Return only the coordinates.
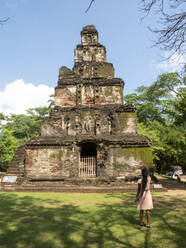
(126, 162)
(63, 162)
(65, 97)
(90, 53)
(127, 123)
(92, 69)
(109, 95)
(49, 163)
(89, 38)
(88, 94)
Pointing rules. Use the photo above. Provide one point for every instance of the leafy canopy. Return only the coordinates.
(161, 112)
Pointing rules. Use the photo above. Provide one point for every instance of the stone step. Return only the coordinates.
(18, 156)
(17, 172)
(15, 165)
(75, 187)
(71, 189)
(79, 185)
(18, 159)
(14, 169)
(68, 190)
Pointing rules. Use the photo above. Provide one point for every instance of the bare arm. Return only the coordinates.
(138, 191)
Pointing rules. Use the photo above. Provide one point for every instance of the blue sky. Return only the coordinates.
(41, 36)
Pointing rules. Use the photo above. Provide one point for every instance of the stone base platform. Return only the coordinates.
(69, 188)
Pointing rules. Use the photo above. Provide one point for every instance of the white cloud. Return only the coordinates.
(11, 3)
(19, 96)
(174, 63)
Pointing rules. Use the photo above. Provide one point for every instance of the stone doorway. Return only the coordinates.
(88, 160)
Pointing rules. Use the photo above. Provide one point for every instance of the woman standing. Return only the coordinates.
(144, 197)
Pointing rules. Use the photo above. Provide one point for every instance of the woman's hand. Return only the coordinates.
(137, 199)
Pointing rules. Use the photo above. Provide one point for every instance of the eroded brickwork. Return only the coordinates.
(49, 163)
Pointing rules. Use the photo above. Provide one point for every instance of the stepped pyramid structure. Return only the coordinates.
(90, 136)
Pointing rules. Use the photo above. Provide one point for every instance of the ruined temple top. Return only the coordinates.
(89, 29)
(89, 59)
(90, 50)
(89, 35)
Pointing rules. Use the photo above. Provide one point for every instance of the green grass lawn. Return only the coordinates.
(52, 220)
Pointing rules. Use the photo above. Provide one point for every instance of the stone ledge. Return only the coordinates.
(93, 44)
(105, 108)
(121, 140)
(90, 81)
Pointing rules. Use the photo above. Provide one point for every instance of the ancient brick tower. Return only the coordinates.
(90, 134)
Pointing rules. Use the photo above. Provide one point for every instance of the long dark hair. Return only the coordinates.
(145, 174)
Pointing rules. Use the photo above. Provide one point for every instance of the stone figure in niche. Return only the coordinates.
(88, 124)
(98, 124)
(105, 125)
(78, 124)
(109, 125)
(114, 123)
(89, 39)
(62, 123)
(67, 124)
(93, 57)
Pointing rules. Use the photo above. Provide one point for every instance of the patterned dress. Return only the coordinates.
(145, 199)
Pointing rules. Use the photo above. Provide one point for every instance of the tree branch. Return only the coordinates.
(92, 1)
(171, 34)
(3, 21)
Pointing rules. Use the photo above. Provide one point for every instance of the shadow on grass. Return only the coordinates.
(26, 223)
(168, 220)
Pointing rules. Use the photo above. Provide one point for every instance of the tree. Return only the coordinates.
(17, 130)
(161, 112)
(91, 2)
(170, 34)
(168, 144)
(2, 118)
(8, 145)
(164, 100)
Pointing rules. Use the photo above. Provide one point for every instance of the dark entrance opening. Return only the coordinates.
(88, 149)
(88, 160)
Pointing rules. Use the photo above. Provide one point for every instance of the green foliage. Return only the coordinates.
(161, 112)
(18, 129)
(8, 145)
(2, 117)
